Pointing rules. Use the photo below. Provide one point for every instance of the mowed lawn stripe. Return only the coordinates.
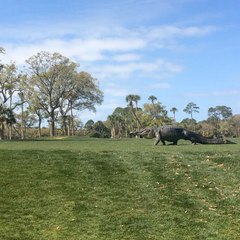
(75, 193)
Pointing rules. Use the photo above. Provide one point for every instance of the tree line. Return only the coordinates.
(122, 121)
(51, 89)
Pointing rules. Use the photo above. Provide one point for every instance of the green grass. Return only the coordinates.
(81, 188)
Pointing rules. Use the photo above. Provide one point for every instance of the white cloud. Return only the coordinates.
(116, 91)
(80, 49)
(126, 57)
(172, 31)
(117, 44)
(124, 70)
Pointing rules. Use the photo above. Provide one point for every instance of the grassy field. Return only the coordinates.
(102, 189)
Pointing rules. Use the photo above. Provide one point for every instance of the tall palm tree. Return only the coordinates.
(152, 99)
(130, 99)
(174, 110)
(137, 98)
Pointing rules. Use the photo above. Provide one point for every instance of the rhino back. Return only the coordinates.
(171, 134)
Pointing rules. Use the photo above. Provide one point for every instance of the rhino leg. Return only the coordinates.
(163, 142)
(158, 139)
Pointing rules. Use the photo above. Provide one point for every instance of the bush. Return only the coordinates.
(100, 131)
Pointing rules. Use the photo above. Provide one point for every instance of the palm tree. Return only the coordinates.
(174, 110)
(152, 99)
(136, 98)
(130, 99)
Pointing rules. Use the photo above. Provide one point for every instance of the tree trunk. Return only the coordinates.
(10, 127)
(72, 126)
(10, 131)
(136, 113)
(113, 133)
(39, 127)
(65, 128)
(52, 124)
(136, 117)
(22, 131)
(68, 130)
(2, 131)
(72, 122)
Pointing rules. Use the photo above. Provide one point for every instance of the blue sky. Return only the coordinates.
(181, 51)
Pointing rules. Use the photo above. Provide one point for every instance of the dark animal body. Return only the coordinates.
(173, 134)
